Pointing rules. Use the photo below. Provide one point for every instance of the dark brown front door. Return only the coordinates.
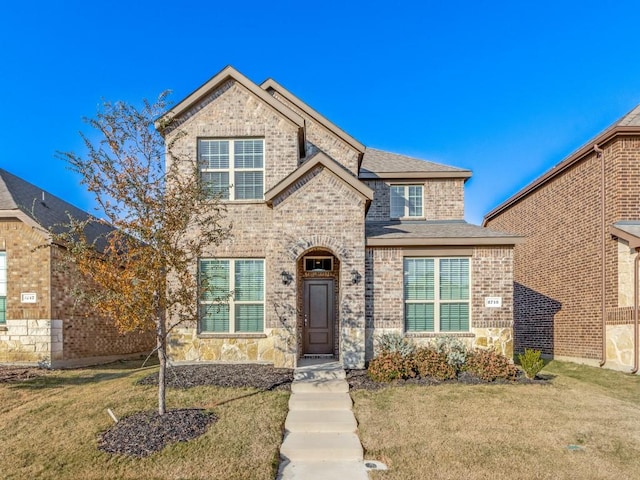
(318, 316)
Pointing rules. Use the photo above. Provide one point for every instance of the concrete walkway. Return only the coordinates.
(320, 440)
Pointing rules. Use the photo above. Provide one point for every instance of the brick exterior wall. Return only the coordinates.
(58, 329)
(491, 276)
(443, 199)
(558, 269)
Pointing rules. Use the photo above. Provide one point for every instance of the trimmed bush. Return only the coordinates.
(453, 348)
(490, 366)
(531, 362)
(430, 363)
(395, 342)
(390, 366)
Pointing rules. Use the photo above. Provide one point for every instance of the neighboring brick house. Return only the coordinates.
(41, 320)
(574, 290)
(333, 243)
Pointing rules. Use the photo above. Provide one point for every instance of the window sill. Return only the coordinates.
(405, 219)
(253, 201)
(231, 335)
(439, 334)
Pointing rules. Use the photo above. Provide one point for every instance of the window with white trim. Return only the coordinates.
(231, 296)
(436, 294)
(406, 201)
(232, 168)
(3, 288)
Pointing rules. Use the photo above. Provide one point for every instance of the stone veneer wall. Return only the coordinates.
(443, 199)
(491, 275)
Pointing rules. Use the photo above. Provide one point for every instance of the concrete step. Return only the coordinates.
(320, 386)
(309, 447)
(321, 421)
(320, 401)
(333, 372)
(347, 470)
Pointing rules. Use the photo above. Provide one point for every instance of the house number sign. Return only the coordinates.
(493, 302)
(28, 297)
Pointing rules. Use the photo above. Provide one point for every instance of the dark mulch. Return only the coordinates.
(263, 377)
(18, 374)
(359, 380)
(145, 433)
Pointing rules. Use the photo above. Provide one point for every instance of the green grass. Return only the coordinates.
(507, 431)
(50, 427)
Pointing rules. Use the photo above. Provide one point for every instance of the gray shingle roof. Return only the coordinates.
(631, 119)
(629, 226)
(432, 232)
(377, 163)
(45, 209)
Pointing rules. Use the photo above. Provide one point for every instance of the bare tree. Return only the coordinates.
(143, 273)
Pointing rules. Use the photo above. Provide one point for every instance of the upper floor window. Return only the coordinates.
(406, 201)
(3, 288)
(232, 168)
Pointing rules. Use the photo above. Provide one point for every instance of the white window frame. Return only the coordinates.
(437, 302)
(231, 170)
(231, 301)
(405, 197)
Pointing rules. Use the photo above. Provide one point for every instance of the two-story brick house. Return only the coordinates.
(42, 319)
(333, 242)
(574, 293)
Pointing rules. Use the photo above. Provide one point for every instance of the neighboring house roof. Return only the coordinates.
(444, 232)
(627, 125)
(271, 84)
(37, 207)
(318, 158)
(381, 164)
(627, 230)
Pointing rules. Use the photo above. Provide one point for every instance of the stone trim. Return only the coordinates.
(492, 324)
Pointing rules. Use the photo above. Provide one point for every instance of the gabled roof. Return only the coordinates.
(271, 84)
(334, 167)
(629, 124)
(628, 231)
(381, 164)
(443, 232)
(38, 208)
(214, 82)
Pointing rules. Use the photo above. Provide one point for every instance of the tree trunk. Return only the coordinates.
(162, 357)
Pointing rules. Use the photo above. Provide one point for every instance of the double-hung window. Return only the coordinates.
(232, 168)
(436, 294)
(3, 288)
(406, 201)
(231, 296)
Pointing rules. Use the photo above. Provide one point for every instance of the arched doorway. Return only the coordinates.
(318, 289)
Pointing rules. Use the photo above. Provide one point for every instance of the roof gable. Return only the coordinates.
(228, 73)
(326, 162)
(271, 84)
(381, 164)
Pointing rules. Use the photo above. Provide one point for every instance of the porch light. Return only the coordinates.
(355, 277)
(286, 277)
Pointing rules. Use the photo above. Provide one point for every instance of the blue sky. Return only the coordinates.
(504, 88)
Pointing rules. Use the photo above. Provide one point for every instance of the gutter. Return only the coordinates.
(603, 280)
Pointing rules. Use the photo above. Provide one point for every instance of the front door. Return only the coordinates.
(318, 316)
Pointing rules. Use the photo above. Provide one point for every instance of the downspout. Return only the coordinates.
(636, 277)
(603, 284)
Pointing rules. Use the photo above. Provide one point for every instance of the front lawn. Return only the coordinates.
(584, 424)
(50, 426)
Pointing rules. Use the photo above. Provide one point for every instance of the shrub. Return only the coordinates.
(489, 366)
(531, 362)
(395, 342)
(390, 366)
(454, 350)
(430, 363)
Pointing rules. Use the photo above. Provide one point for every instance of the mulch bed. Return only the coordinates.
(10, 374)
(144, 433)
